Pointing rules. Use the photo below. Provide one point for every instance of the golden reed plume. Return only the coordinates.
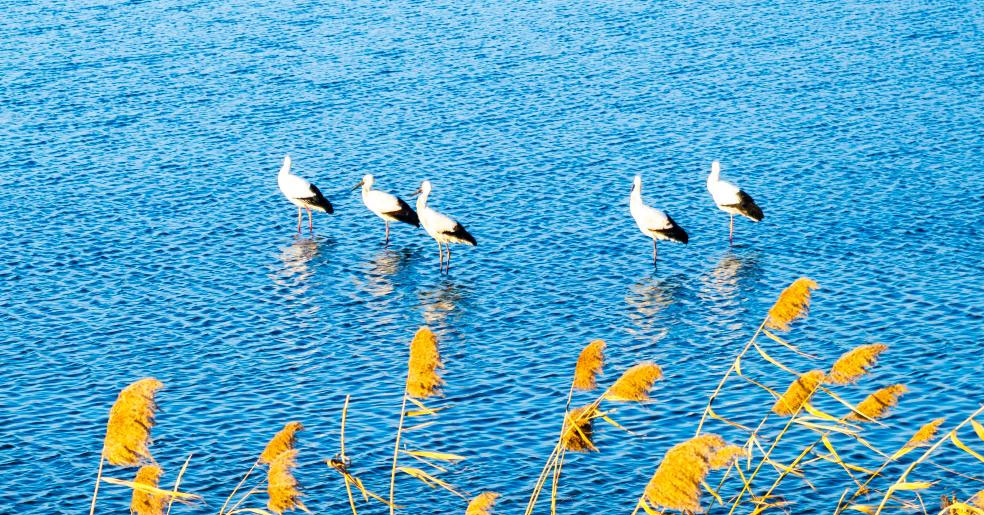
(798, 393)
(146, 503)
(925, 434)
(855, 363)
(281, 485)
(635, 383)
(282, 441)
(676, 483)
(578, 427)
(877, 404)
(726, 455)
(482, 504)
(793, 303)
(130, 421)
(423, 380)
(589, 365)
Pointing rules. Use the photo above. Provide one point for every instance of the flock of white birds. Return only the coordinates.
(653, 222)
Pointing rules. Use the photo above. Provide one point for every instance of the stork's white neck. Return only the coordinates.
(715, 175)
(422, 199)
(635, 198)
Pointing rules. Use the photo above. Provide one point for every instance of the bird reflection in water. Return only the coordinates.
(722, 287)
(377, 280)
(648, 297)
(438, 302)
(295, 270)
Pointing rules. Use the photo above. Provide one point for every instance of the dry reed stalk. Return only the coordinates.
(635, 383)
(422, 379)
(282, 487)
(578, 428)
(925, 433)
(877, 404)
(130, 421)
(798, 393)
(676, 484)
(147, 503)
(793, 303)
(589, 365)
(855, 363)
(283, 441)
(482, 504)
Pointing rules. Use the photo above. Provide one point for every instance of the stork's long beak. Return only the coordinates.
(357, 186)
(414, 194)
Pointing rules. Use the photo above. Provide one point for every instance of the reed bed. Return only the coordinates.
(739, 466)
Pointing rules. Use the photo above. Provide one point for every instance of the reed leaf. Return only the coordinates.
(589, 364)
(282, 488)
(423, 380)
(281, 442)
(855, 363)
(798, 393)
(130, 421)
(482, 504)
(635, 383)
(793, 303)
(877, 404)
(145, 502)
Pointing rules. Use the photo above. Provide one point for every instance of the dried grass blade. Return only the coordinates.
(442, 456)
(788, 345)
(963, 446)
(428, 479)
(177, 496)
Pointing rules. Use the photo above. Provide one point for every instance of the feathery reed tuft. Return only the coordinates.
(282, 441)
(281, 485)
(130, 421)
(635, 383)
(793, 303)
(725, 456)
(855, 363)
(798, 393)
(589, 365)
(925, 434)
(578, 427)
(423, 380)
(146, 503)
(877, 404)
(482, 504)
(676, 483)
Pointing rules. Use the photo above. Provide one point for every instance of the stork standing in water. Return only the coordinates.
(302, 194)
(443, 229)
(386, 206)
(653, 222)
(732, 200)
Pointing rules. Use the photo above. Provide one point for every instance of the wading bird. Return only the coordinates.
(302, 194)
(440, 227)
(730, 199)
(653, 222)
(386, 206)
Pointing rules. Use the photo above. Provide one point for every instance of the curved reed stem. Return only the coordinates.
(396, 449)
(238, 486)
(348, 487)
(727, 374)
(95, 491)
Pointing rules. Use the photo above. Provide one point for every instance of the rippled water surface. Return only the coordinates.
(143, 232)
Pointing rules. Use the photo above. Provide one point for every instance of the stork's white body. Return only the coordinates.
(386, 206)
(301, 193)
(654, 223)
(731, 199)
(442, 228)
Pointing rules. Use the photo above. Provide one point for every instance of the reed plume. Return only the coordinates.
(798, 393)
(130, 421)
(677, 481)
(793, 303)
(482, 504)
(283, 441)
(281, 485)
(423, 380)
(725, 456)
(589, 365)
(855, 363)
(147, 503)
(578, 427)
(877, 404)
(635, 383)
(926, 433)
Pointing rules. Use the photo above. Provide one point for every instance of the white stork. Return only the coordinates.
(732, 200)
(302, 194)
(653, 222)
(443, 229)
(386, 206)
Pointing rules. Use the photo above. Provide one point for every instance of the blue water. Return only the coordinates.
(143, 233)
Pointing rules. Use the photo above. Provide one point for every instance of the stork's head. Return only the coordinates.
(425, 188)
(366, 182)
(637, 184)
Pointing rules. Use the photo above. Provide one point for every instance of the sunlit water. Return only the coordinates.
(143, 233)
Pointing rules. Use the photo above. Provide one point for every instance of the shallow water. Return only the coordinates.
(143, 233)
